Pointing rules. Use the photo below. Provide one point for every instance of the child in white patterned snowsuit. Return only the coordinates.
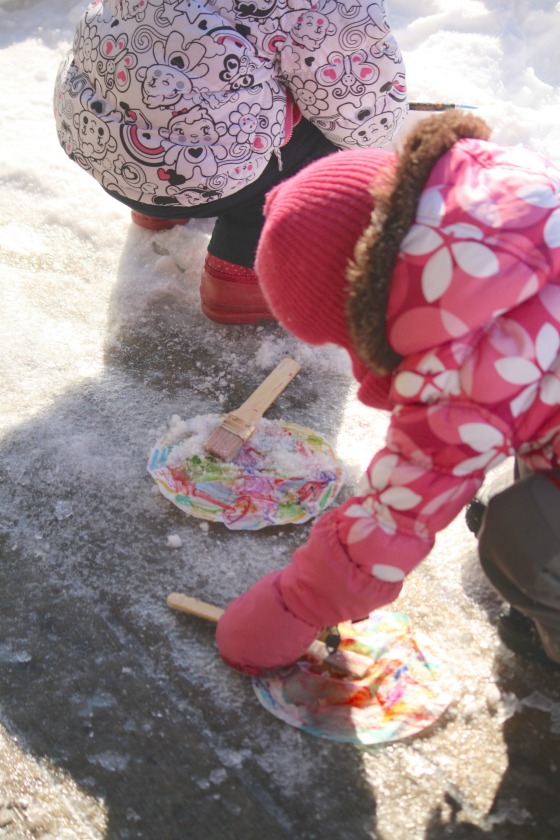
(189, 109)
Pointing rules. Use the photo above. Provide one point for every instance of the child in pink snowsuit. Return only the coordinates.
(438, 270)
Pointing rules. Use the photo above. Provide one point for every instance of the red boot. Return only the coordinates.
(230, 293)
(152, 223)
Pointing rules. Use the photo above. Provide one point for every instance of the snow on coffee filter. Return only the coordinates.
(284, 474)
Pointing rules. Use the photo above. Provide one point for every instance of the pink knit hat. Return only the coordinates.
(313, 222)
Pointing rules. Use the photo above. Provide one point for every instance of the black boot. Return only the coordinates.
(519, 634)
(474, 515)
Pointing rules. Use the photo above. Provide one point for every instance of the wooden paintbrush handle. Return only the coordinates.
(184, 603)
(350, 664)
(254, 407)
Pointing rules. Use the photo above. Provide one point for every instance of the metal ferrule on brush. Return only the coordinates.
(238, 426)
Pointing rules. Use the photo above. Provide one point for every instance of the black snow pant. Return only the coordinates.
(519, 549)
(239, 217)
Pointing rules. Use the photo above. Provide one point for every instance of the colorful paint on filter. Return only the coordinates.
(284, 474)
(406, 690)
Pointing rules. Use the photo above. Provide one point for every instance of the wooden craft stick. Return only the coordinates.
(343, 662)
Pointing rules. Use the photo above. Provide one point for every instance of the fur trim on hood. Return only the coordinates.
(396, 203)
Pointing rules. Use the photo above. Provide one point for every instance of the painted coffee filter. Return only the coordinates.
(284, 474)
(407, 689)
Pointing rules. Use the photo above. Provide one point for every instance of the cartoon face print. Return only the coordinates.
(243, 173)
(165, 83)
(247, 121)
(306, 96)
(94, 137)
(309, 96)
(372, 123)
(193, 9)
(192, 140)
(310, 29)
(244, 126)
(87, 47)
(163, 86)
(376, 130)
(196, 128)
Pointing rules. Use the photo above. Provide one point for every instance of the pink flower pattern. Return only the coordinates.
(475, 310)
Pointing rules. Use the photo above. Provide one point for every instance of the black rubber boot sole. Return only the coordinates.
(519, 634)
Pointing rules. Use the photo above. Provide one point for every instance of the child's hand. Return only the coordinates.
(273, 624)
(257, 632)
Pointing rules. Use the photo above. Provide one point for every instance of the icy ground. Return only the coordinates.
(117, 718)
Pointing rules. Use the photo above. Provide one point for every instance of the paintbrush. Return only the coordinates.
(237, 427)
(439, 106)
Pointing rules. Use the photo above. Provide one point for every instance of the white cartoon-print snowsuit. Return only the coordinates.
(167, 102)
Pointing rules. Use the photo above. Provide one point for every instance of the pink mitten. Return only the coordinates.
(324, 586)
(274, 623)
(257, 632)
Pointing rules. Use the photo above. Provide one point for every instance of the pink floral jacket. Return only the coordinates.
(474, 309)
